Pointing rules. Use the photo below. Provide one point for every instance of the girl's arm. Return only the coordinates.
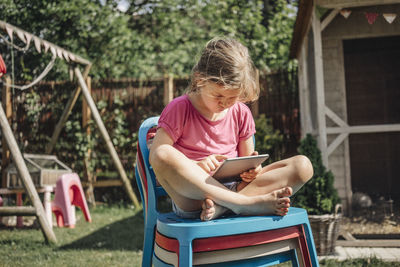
(208, 164)
(161, 138)
(246, 148)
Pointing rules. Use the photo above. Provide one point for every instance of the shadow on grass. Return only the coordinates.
(126, 234)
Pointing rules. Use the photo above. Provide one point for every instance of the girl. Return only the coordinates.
(210, 123)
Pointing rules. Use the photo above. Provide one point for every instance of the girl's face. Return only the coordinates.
(216, 98)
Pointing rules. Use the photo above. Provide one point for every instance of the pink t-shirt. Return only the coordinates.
(197, 137)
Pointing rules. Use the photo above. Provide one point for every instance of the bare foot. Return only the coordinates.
(211, 210)
(274, 203)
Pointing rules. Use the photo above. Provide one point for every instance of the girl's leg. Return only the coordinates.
(293, 172)
(188, 185)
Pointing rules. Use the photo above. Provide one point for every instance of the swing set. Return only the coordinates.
(43, 46)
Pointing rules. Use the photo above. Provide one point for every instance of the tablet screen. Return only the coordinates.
(231, 168)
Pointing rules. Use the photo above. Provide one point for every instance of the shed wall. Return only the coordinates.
(355, 26)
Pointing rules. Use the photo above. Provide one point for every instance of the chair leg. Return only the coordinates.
(59, 217)
(185, 253)
(79, 200)
(159, 263)
(295, 260)
(310, 245)
(148, 246)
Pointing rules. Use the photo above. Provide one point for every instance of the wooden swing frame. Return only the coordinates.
(37, 208)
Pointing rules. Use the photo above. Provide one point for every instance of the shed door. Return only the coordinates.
(372, 71)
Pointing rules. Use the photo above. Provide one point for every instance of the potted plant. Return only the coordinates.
(320, 198)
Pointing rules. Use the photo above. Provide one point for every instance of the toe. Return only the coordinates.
(205, 217)
(285, 192)
(282, 206)
(208, 203)
(283, 201)
(282, 211)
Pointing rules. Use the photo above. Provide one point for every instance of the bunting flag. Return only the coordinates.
(37, 44)
(345, 13)
(389, 17)
(40, 45)
(370, 16)
(10, 32)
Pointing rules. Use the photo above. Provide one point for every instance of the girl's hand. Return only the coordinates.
(211, 163)
(251, 174)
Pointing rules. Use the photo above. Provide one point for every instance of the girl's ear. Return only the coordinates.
(198, 81)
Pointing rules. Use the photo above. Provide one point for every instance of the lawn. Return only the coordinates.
(114, 238)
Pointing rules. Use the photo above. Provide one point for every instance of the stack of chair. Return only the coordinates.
(231, 241)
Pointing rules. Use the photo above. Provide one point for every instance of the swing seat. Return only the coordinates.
(69, 193)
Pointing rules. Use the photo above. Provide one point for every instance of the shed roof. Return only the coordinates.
(304, 14)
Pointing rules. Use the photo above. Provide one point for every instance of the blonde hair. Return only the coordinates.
(227, 62)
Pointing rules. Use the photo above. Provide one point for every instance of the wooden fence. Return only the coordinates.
(144, 98)
(278, 99)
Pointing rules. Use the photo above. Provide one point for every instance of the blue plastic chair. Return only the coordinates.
(188, 230)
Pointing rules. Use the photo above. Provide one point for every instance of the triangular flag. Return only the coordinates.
(46, 46)
(345, 13)
(72, 57)
(53, 50)
(371, 17)
(37, 43)
(65, 55)
(59, 53)
(9, 32)
(28, 38)
(21, 36)
(389, 17)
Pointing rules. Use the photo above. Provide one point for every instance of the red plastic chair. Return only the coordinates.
(69, 193)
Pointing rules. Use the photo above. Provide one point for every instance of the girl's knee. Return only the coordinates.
(303, 167)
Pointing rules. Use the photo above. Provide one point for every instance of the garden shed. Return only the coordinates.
(349, 85)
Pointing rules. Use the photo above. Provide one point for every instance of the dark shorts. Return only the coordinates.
(196, 213)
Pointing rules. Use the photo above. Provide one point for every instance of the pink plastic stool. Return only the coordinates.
(69, 192)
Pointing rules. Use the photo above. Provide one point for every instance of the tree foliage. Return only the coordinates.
(267, 139)
(318, 196)
(149, 39)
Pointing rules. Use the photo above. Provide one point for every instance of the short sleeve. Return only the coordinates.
(172, 118)
(247, 125)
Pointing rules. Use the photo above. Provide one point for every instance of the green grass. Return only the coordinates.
(114, 238)
(372, 262)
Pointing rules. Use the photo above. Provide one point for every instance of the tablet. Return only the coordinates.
(231, 168)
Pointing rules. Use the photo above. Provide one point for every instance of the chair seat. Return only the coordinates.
(176, 227)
